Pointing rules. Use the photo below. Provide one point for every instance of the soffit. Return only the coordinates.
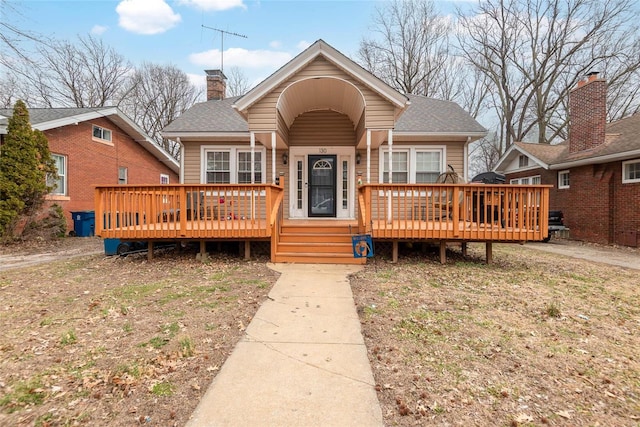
(320, 94)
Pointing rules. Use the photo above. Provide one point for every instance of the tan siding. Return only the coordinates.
(192, 161)
(379, 112)
(321, 128)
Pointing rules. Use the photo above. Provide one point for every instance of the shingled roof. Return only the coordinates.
(51, 118)
(423, 115)
(621, 142)
(215, 116)
(429, 115)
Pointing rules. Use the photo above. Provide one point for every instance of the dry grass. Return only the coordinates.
(534, 339)
(120, 341)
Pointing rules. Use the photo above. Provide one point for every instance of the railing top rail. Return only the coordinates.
(468, 184)
(125, 186)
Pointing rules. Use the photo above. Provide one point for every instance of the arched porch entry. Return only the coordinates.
(319, 118)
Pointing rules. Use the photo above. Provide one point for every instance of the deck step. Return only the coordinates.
(316, 244)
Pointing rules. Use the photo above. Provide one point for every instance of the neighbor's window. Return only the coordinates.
(122, 175)
(523, 161)
(164, 179)
(400, 167)
(631, 171)
(101, 133)
(59, 185)
(563, 179)
(526, 180)
(244, 167)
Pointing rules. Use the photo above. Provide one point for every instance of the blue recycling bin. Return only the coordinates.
(84, 223)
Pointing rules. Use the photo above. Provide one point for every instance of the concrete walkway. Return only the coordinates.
(302, 361)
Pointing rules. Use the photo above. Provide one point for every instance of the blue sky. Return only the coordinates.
(171, 31)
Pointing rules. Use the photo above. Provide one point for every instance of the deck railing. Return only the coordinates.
(470, 212)
(178, 211)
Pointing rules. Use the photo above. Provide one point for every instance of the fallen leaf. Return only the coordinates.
(564, 414)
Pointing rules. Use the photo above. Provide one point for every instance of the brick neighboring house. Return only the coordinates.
(96, 146)
(595, 173)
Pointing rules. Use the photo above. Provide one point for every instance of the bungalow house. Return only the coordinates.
(317, 155)
(595, 174)
(96, 146)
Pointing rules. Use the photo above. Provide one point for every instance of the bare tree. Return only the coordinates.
(155, 95)
(409, 46)
(534, 51)
(484, 154)
(237, 82)
(86, 74)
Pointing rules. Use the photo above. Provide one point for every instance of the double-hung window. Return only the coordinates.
(400, 166)
(413, 165)
(59, 185)
(232, 165)
(244, 167)
(563, 179)
(631, 171)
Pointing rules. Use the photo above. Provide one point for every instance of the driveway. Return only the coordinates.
(620, 256)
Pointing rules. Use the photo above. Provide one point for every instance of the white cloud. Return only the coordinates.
(303, 44)
(98, 29)
(276, 44)
(243, 58)
(214, 5)
(146, 16)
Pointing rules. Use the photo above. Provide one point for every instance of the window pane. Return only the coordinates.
(427, 166)
(218, 167)
(244, 167)
(632, 171)
(400, 167)
(58, 184)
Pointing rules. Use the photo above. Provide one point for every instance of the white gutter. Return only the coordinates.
(600, 159)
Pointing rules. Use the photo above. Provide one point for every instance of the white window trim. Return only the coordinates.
(624, 176)
(102, 140)
(126, 175)
(412, 150)
(164, 177)
(560, 186)
(526, 161)
(518, 181)
(233, 160)
(64, 177)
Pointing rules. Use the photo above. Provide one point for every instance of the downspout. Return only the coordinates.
(466, 160)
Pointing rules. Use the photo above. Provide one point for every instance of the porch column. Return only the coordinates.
(368, 156)
(273, 157)
(252, 144)
(390, 139)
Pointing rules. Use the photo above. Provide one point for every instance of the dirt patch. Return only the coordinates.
(534, 339)
(95, 340)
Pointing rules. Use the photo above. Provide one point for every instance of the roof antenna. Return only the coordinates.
(222, 33)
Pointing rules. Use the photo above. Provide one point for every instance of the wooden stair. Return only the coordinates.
(316, 242)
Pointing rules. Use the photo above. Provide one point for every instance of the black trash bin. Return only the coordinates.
(84, 223)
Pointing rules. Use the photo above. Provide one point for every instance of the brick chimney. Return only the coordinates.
(216, 84)
(587, 113)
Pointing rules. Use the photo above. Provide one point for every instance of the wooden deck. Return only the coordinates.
(425, 212)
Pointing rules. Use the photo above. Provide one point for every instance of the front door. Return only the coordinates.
(322, 186)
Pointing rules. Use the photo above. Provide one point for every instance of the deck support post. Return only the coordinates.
(463, 248)
(247, 250)
(394, 251)
(202, 255)
(443, 251)
(150, 250)
(489, 252)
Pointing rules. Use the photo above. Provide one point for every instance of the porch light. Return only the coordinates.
(285, 158)
(358, 158)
